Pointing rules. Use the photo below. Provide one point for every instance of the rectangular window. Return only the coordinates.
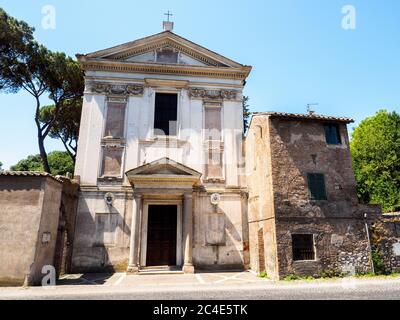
(303, 247)
(316, 186)
(115, 121)
(112, 162)
(166, 114)
(332, 134)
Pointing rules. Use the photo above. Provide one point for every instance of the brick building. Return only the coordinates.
(304, 216)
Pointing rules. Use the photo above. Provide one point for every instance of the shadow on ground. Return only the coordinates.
(84, 279)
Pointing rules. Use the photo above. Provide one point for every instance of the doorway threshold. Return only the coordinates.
(160, 270)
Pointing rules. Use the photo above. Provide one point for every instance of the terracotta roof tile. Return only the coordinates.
(29, 174)
(310, 116)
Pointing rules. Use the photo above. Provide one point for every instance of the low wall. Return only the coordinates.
(386, 243)
(37, 220)
(29, 210)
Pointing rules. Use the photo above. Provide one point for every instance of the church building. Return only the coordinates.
(169, 182)
(160, 159)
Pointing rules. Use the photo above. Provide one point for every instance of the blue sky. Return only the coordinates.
(298, 49)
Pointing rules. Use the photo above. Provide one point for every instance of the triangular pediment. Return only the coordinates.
(164, 168)
(155, 49)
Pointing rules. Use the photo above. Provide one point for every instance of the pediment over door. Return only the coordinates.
(163, 173)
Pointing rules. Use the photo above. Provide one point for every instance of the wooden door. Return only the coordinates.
(161, 235)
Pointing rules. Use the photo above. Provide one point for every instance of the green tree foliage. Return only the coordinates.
(16, 41)
(27, 65)
(66, 125)
(60, 163)
(1, 166)
(246, 113)
(375, 148)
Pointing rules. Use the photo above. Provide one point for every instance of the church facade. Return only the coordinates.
(160, 159)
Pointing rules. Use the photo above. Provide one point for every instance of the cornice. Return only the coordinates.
(155, 68)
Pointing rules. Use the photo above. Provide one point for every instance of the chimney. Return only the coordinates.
(168, 25)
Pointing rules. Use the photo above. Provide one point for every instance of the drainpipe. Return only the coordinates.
(369, 242)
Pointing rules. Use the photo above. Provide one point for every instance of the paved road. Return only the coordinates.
(208, 287)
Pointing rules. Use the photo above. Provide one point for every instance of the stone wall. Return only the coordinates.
(386, 243)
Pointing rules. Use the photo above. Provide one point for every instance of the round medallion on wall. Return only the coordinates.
(215, 198)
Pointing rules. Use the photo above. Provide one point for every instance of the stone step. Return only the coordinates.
(160, 270)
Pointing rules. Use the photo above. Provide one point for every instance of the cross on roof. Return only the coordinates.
(168, 15)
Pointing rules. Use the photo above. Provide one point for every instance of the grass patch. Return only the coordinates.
(381, 276)
(294, 277)
(334, 276)
(263, 275)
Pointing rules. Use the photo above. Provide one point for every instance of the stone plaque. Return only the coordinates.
(106, 225)
(215, 229)
(396, 249)
(336, 240)
(46, 237)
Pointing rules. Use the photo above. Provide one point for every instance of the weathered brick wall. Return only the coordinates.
(338, 226)
(386, 242)
(280, 152)
(341, 246)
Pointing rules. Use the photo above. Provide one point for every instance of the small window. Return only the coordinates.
(332, 134)
(303, 247)
(316, 186)
(165, 114)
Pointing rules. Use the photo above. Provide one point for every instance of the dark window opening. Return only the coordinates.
(165, 116)
(332, 134)
(316, 186)
(303, 247)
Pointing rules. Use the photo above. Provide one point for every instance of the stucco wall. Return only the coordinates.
(261, 210)
(29, 206)
(50, 215)
(141, 149)
(220, 233)
(90, 253)
(220, 237)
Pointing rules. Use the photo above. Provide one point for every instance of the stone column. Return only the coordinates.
(133, 266)
(188, 232)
